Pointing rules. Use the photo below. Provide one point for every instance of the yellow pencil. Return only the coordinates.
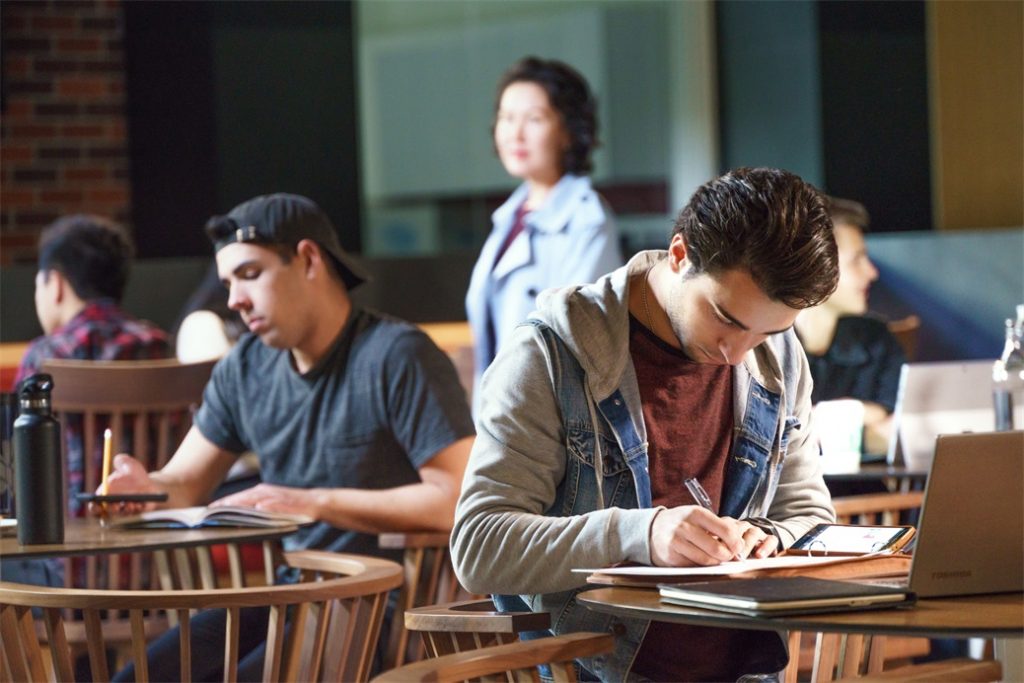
(107, 454)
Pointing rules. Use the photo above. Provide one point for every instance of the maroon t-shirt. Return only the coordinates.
(688, 413)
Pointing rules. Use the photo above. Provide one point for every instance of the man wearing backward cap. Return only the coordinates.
(358, 419)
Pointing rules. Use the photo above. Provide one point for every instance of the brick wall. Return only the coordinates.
(64, 139)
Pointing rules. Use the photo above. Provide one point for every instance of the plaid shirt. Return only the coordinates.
(100, 331)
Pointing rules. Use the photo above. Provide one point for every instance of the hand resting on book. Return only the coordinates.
(274, 498)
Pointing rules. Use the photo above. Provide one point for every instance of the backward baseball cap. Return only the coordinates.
(284, 219)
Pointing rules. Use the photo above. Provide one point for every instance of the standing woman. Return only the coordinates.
(555, 229)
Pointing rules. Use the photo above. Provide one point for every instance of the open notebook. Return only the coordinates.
(195, 517)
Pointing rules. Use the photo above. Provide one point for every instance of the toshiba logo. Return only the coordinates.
(962, 574)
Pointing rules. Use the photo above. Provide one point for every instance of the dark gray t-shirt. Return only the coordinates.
(381, 403)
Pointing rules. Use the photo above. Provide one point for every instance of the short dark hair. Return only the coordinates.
(570, 96)
(768, 222)
(848, 212)
(92, 252)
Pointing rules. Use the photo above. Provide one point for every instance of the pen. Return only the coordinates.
(698, 493)
(701, 496)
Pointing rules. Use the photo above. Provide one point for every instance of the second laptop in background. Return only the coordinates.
(940, 398)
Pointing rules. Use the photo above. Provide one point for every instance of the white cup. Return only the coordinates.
(839, 426)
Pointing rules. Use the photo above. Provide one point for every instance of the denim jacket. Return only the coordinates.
(558, 475)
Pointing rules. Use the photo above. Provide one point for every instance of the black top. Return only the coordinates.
(379, 405)
(863, 362)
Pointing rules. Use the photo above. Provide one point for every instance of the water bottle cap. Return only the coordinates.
(34, 391)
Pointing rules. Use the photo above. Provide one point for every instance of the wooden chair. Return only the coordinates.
(905, 330)
(429, 579)
(148, 406)
(876, 508)
(832, 655)
(470, 625)
(149, 403)
(516, 661)
(962, 670)
(334, 613)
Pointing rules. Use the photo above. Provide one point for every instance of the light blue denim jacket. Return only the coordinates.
(558, 474)
(571, 239)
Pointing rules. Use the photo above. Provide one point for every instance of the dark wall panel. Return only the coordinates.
(171, 126)
(229, 100)
(874, 85)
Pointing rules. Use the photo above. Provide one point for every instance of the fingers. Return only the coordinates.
(756, 542)
(690, 535)
(247, 498)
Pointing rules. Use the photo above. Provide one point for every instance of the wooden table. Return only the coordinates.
(86, 536)
(980, 616)
(893, 477)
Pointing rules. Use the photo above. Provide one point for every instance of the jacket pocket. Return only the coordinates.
(579, 491)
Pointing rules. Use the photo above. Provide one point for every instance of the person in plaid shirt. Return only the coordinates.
(84, 263)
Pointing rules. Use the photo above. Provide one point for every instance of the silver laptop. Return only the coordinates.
(970, 536)
(940, 398)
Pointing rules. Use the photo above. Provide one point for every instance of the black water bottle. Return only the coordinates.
(38, 465)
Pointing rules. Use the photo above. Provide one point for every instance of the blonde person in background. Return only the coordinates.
(555, 229)
(852, 354)
(206, 328)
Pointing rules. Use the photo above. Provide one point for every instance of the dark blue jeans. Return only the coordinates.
(207, 642)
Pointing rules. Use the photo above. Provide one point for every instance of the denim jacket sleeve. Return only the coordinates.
(503, 542)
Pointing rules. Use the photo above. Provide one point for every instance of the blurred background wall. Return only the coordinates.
(161, 114)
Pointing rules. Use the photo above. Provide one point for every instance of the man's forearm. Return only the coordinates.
(413, 507)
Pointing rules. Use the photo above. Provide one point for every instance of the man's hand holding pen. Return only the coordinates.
(694, 535)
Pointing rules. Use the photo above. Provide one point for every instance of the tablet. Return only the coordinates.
(852, 539)
(122, 498)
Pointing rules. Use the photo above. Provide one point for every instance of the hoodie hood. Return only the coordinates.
(593, 322)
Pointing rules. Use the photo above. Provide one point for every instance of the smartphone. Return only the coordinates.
(852, 539)
(122, 498)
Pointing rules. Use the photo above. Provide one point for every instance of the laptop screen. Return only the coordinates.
(940, 398)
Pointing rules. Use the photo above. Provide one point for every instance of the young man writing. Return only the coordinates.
(358, 420)
(681, 364)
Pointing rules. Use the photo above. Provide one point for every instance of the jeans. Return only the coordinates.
(207, 644)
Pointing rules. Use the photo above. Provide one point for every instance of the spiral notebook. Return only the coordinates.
(784, 596)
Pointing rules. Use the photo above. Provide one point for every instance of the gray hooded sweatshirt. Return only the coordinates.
(507, 537)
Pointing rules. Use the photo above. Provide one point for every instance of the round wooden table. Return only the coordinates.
(1000, 617)
(86, 536)
(974, 616)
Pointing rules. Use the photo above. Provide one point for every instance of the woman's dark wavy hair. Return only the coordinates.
(769, 223)
(570, 96)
